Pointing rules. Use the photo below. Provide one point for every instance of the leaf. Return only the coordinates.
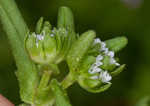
(65, 18)
(118, 70)
(60, 95)
(116, 44)
(39, 25)
(43, 95)
(98, 89)
(27, 73)
(10, 8)
(66, 21)
(79, 49)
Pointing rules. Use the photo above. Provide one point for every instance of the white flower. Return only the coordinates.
(105, 77)
(39, 37)
(106, 50)
(98, 63)
(103, 46)
(113, 61)
(111, 54)
(94, 77)
(51, 34)
(97, 40)
(94, 69)
(99, 58)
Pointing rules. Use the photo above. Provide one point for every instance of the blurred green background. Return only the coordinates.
(109, 18)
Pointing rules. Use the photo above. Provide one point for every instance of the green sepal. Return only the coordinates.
(39, 25)
(94, 50)
(35, 52)
(47, 26)
(49, 48)
(116, 44)
(93, 86)
(60, 94)
(106, 64)
(118, 70)
(65, 19)
(86, 63)
(87, 83)
(79, 49)
(84, 78)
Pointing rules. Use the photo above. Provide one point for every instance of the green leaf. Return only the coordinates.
(79, 49)
(100, 88)
(10, 8)
(15, 29)
(118, 70)
(39, 25)
(116, 44)
(60, 95)
(66, 21)
(43, 95)
(65, 18)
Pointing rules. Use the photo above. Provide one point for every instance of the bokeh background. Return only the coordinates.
(109, 18)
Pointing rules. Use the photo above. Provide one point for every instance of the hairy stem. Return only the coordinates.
(16, 29)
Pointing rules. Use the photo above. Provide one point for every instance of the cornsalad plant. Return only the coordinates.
(92, 63)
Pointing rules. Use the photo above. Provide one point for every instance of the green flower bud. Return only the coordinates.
(51, 46)
(41, 47)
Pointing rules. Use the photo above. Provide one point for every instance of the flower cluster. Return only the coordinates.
(103, 75)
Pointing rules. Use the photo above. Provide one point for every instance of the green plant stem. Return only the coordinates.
(69, 80)
(13, 25)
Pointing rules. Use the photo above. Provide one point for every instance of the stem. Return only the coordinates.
(15, 29)
(69, 80)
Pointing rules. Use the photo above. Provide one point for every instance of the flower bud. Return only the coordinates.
(41, 48)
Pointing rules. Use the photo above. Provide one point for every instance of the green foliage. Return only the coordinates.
(26, 72)
(91, 62)
(60, 94)
(116, 44)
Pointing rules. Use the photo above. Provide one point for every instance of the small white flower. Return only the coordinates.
(111, 53)
(103, 46)
(39, 37)
(113, 61)
(117, 64)
(105, 77)
(51, 34)
(106, 50)
(97, 40)
(98, 63)
(99, 58)
(94, 77)
(94, 69)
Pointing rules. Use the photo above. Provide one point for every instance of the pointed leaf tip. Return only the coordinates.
(39, 25)
(65, 18)
(116, 44)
